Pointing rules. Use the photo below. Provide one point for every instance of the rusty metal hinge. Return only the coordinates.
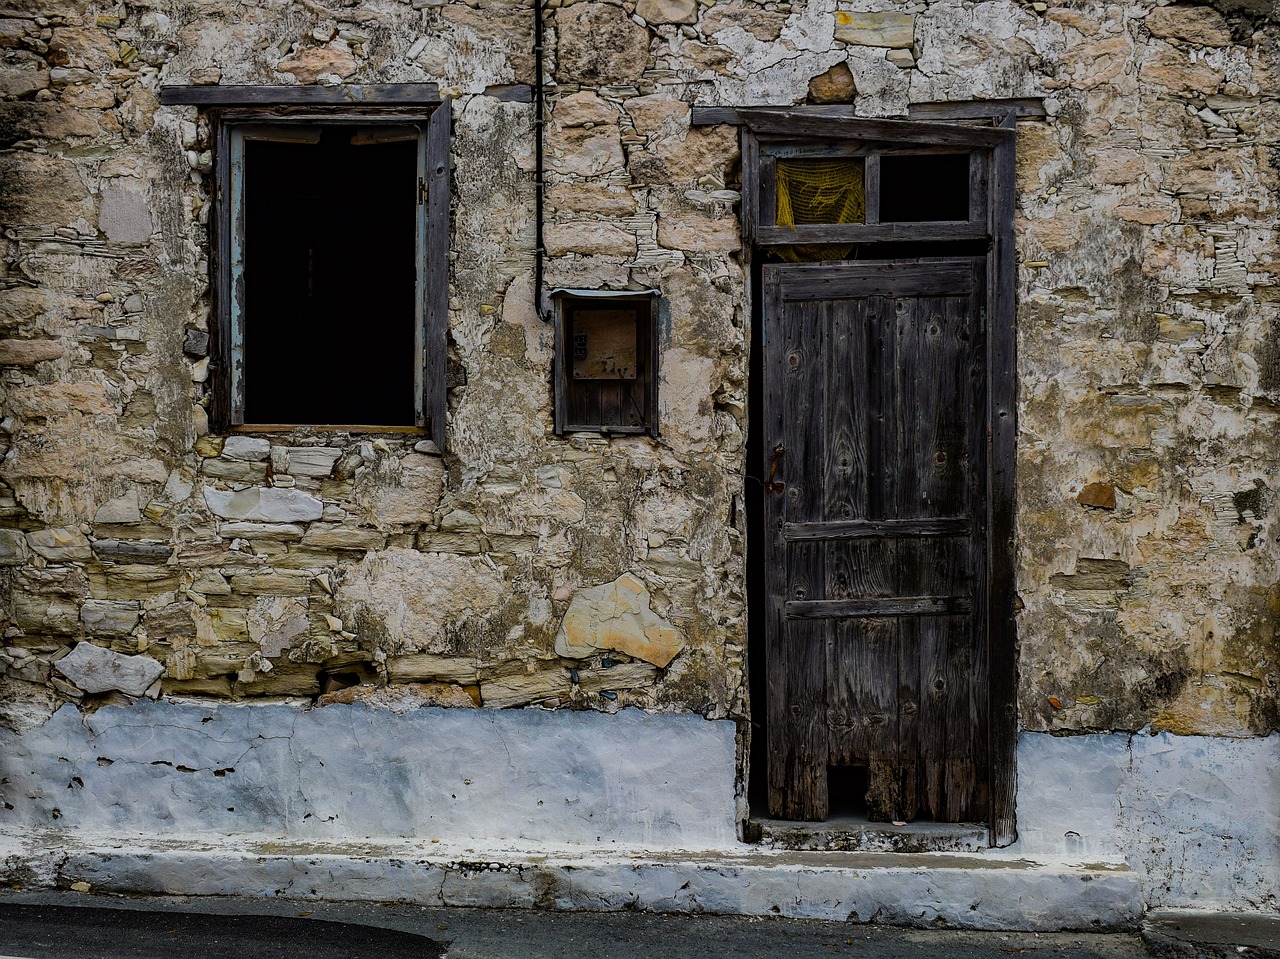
(422, 190)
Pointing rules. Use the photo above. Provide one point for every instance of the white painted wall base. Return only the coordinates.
(1197, 817)
(346, 772)
(613, 806)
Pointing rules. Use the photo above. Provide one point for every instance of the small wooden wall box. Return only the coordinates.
(606, 361)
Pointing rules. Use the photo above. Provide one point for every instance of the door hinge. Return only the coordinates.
(422, 190)
(982, 319)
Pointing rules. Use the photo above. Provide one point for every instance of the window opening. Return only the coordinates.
(818, 191)
(919, 187)
(327, 260)
(812, 191)
(333, 175)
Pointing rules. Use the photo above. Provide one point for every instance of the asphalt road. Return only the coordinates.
(56, 925)
(38, 932)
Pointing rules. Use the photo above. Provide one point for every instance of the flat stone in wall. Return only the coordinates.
(264, 505)
(98, 670)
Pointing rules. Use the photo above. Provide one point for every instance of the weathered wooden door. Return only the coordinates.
(875, 524)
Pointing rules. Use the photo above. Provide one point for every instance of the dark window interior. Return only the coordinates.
(330, 280)
(922, 187)
(605, 356)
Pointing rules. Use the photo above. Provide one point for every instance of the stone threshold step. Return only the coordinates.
(924, 890)
(849, 833)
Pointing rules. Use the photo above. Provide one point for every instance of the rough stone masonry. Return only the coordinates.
(145, 558)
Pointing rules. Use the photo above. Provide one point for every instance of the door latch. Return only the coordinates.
(771, 485)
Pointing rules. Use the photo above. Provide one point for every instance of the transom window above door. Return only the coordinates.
(821, 179)
(828, 193)
(873, 188)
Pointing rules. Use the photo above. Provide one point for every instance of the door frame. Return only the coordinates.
(990, 135)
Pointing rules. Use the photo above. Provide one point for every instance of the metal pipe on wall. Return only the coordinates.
(538, 124)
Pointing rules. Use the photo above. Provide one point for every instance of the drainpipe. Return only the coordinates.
(539, 253)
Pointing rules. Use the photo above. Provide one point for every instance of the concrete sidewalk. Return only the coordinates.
(989, 890)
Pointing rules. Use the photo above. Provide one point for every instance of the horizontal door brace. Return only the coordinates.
(876, 528)
(888, 606)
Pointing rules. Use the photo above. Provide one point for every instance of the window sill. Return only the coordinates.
(607, 430)
(325, 428)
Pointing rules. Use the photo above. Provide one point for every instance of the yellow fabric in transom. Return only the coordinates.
(815, 192)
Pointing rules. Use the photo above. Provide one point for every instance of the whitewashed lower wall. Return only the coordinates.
(1198, 817)
(493, 776)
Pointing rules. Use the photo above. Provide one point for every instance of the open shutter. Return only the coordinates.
(435, 264)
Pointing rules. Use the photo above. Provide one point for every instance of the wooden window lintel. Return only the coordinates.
(368, 94)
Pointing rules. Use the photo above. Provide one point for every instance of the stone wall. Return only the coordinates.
(1148, 327)
(297, 564)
